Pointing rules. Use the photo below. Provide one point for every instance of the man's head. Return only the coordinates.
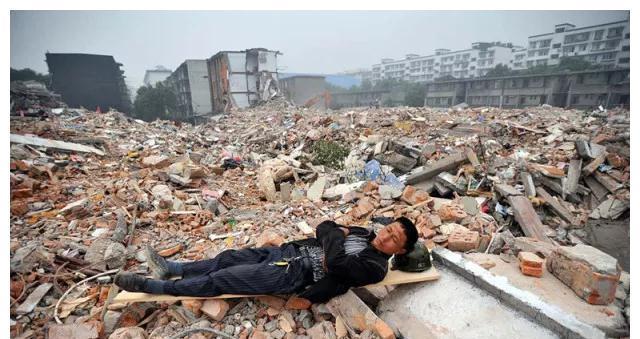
(399, 237)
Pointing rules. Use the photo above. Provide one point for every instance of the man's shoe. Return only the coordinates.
(157, 264)
(130, 281)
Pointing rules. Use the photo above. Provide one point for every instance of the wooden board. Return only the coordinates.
(392, 278)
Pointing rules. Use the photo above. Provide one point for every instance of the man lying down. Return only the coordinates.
(317, 269)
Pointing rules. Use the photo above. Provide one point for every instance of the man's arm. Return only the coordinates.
(325, 289)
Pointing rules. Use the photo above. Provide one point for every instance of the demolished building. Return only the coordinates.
(240, 79)
(191, 86)
(89, 80)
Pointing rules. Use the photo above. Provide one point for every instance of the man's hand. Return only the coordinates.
(297, 303)
(345, 230)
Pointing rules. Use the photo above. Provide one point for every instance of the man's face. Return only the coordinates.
(391, 239)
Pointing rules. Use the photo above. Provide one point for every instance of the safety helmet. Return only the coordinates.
(417, 260)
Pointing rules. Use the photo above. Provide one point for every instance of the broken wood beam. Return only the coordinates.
(527, 181)
(599, 191)
(556, 206)
(54, 144)
(607, 182)
(592, 166)
(573, 176)
(557, 187)
(442, 165)
(527, 218)
(357, 315)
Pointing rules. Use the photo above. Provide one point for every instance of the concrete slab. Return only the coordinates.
(452, 307)
(608, 318)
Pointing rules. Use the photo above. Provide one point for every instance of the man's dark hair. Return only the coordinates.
(410, 232)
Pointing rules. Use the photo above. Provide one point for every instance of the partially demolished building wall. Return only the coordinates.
(240, 79)
(89, 80)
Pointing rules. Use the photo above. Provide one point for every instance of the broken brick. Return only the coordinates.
(531, 271)
(592, 274)
(215, 308)
(463, 241)
(275, 302)
(530, 259)
(413, 196)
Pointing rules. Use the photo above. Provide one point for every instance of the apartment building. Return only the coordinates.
(605, 44)
(585, 89)
(153, 76)
(191, 84)
(476, 61)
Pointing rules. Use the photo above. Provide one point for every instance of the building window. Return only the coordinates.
(623, 60)
(626, 36)
(582, 47)
(557, 45)
(625, 48)
(608, 56)
(615, 32)
(532, 44)
(545, 43)
(555, 56)
(598, 35)
(612, 44)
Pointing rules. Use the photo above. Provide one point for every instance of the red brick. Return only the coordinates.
(463, 241)
(19, 208)
(275, 302)
(193, 305)
(531, 271)
(215, 308)
(259, 335)
(269, 238)
(21, 193)
(365, 206)
(530, 259)
(383, 330)
(413, 196)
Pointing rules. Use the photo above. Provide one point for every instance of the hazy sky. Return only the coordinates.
(311, 42)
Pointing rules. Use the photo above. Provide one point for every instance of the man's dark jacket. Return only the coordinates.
(344, 271)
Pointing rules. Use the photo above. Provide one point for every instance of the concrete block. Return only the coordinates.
(592, 274)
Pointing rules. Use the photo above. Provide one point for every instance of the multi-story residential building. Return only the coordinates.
(191, 85)
(89, 80)
(476, 61)
(605, 44)
(360, 74)
(584, 89)
(153, 76)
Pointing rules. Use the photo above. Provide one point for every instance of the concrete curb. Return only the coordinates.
(526, 302)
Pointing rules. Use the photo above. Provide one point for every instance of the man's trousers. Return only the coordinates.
(248, 271)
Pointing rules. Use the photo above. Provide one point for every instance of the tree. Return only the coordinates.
(499, 71)
(445, 78)
(415, 94)
(366, 85)
(155, 102)
(26, 74)
(574, 64)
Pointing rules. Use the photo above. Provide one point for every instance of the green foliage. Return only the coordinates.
(445, 78)
(415, 94)
(575, 64)
(329, 153)
(154, 102)
(26, 74)
(498, 71)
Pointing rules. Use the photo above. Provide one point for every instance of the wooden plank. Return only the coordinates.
(527, 218)
(608, 182)
(592, 166)
(55, 144)
(436, 168)
(392, 278)
(555, 186)
(573, 176)
(527, 181)
(555, 205)
(33, 299)
(472, 157)
(506, 190)
(597, 189)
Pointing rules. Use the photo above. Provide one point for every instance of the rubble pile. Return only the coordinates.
(32, 98)
(90, 190)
